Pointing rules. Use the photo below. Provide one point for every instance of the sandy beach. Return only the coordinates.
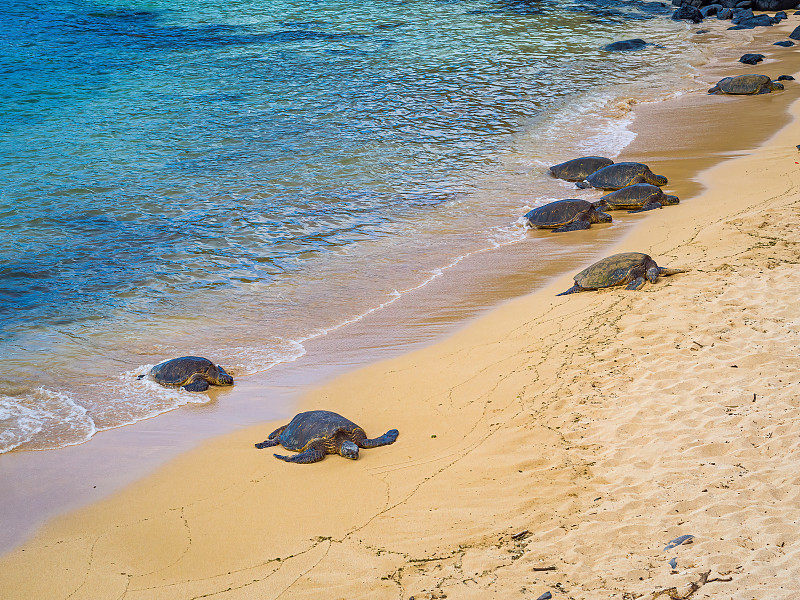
(556, 444)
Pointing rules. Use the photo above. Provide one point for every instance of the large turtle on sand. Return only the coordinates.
(579, 169)
(620, 175)
(566, 215)
(319, 432)
(192, 373)
(637, 198)
(743, 85)
(629, 268)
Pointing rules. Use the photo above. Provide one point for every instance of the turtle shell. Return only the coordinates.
(177, 370)
(620, 175)
(637, 195)
(314, 425)
(558, 213)
(610, 271)
(744, 84)
(579, 169)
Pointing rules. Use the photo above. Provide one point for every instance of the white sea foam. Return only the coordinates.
(41, 420)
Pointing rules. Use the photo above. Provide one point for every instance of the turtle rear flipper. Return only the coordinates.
(387, 438)
(267, 444)
(196, 384)
(276, 433)
(312, 454)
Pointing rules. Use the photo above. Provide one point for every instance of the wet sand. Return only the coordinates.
(602, 424)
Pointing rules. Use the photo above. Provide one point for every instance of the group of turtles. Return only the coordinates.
(314, 434)
(633, 186)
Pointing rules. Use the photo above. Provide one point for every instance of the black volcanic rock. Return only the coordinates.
(795, 35)
(784, 43)
(751, 59)
(785, 78)
(688, 13)
(772, 5)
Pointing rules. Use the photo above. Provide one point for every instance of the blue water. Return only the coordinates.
(232, 178)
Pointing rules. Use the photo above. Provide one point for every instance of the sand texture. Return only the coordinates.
(557, 444)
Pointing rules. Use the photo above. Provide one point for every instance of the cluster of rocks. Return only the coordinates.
(740, 12)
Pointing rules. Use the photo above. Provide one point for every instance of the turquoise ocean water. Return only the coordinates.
(232, 179)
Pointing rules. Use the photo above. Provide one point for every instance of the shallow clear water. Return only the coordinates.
(231, 179)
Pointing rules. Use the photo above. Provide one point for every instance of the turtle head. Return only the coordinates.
(652, 273)
(220, 376)
(668, 200)
(349, 450)
(658, 180)
(601, 216)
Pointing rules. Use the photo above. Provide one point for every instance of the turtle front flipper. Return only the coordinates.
(648, 206)
(196, 384)
(573, 290)
(312, 454)
(636, 284)
(579, 223)
(387, 438)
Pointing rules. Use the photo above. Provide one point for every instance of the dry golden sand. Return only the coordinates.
(602, 424)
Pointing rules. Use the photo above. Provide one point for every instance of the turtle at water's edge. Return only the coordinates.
(192, 373)
(637, 198)
(745, 85)
(566, 215)
(620, 175)
(579, 169)
(630, 269)
(317, 433)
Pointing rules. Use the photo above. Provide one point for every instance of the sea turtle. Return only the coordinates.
(746, 84)
(319, 432)
(579, 169)
(192, 373)
(620, 175)
(629, 268)
(638, 197)
(566, 215)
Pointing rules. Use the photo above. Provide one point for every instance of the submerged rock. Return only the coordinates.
(625, 45)
(784, 43)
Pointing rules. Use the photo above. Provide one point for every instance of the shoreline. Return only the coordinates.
(473, 432)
